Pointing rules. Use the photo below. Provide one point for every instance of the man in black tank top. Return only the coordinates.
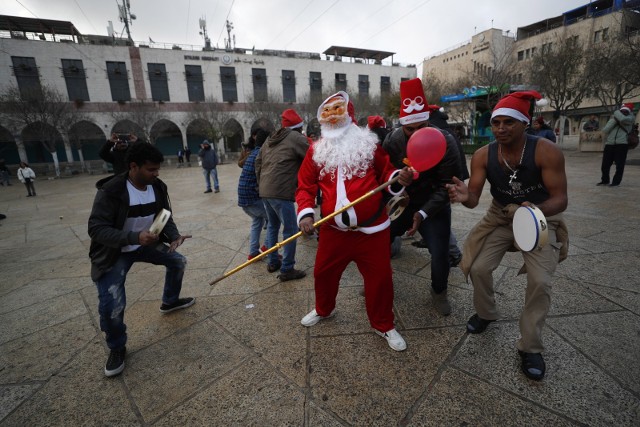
(522, 170)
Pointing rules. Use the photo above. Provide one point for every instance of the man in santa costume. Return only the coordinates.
(345, 164)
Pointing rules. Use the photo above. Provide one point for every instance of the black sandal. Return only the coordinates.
(533, 365)
(477, 325)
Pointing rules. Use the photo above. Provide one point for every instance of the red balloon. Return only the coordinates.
(425, 149)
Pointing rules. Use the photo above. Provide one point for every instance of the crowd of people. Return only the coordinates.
(289, 180)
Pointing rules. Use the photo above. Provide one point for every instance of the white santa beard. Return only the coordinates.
(334, 130)
(352, 151)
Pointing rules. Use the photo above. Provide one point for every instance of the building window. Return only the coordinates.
(195, 86)
(228, 80)
(118, 81)
(158, 82)
(597, 36)
(546, 48)
(259, 77)
(315, 82)
(385, 85)
(76, 79)
(363, 85)
(288, 86)
(27, 76)
(341, 81)
(605, 34)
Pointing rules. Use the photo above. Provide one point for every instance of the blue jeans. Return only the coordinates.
(258, 218)
(435, 231)
(112, 298)
(281, 212)
(208, 173)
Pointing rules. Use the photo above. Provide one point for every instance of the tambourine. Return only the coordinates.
(161, 220)
(530, 229)
(394, 208)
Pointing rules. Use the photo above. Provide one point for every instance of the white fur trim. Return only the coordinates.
(414, 118)
(510, 112)
(304, 212)
(393, 175)
(299, 125)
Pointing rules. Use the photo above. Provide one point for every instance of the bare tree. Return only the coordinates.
(612, 71)
(270, 108)
(144, 114)
(497, 75)
(559, 70)
(209, 119)
(45, 110)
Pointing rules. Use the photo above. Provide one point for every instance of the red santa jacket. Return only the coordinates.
(336, 193)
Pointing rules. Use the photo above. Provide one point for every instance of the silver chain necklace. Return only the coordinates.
(514, 173)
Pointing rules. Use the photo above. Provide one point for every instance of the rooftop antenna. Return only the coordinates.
(125, 15)
(227, 41)
(203, 33)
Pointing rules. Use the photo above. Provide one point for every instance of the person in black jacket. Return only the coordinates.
(429, 210)
(123, 211)
(114, 150)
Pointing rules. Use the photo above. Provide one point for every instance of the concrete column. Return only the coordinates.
(21, 150)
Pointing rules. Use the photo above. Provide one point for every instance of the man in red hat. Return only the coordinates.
(346, 163)
(429, 210)
(522, 170)
(616, 146)
(277, 167)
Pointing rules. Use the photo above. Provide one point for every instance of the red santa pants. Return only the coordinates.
(371, 253)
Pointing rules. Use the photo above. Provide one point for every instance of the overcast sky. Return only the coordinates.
(413, 29)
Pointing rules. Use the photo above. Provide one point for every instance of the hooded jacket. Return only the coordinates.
(108, 215)
(616, 132)
(278, 163)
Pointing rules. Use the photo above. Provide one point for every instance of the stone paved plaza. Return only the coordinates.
(240, 357)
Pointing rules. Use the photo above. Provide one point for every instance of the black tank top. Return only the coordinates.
(526, 187)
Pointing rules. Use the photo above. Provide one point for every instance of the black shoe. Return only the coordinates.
(217, 190)
(454, 261)
(2, 216)
(602, 183)
(209, 191)
(419, 244)
(477, 325)
(178, 305)
(610, 185)
(115, 362)
(532, 365)
(271, 268)
(292, 274)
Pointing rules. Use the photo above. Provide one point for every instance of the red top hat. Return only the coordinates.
(516, 105)
(291, 119)
(414, 107)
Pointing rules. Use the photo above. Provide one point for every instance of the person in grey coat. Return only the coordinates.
(209, 159)
(616, 146)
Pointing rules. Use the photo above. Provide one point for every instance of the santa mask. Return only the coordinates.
(333, 114)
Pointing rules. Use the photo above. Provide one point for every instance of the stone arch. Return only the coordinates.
(127, 126)
(86, 137)
(197, 131)
(38, 138)
(263, 123)
(8, 147)
(167, 137)
(233, 136)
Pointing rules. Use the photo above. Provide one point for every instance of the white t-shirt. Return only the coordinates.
(142, 210)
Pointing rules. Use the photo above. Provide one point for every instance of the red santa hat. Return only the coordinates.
(518, 105)
(413, 103)
(628, 107)
(374, 122)
(291, 119)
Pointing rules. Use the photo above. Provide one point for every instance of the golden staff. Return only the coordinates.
(277, 246)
